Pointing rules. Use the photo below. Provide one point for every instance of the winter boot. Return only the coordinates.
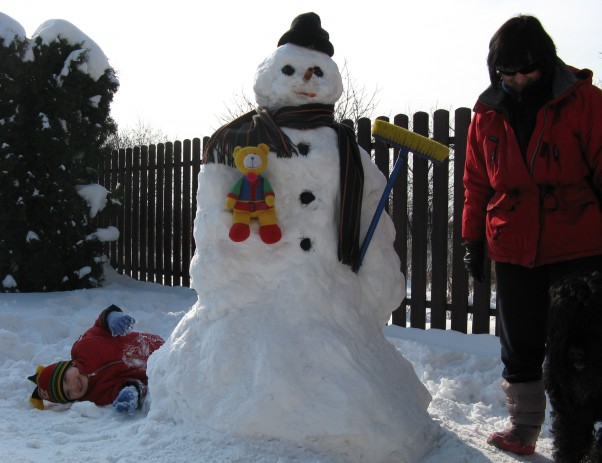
(526, 405)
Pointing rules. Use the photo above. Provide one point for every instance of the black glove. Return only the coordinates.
(474, 258)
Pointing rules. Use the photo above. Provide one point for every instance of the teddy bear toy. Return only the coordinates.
(252, 196)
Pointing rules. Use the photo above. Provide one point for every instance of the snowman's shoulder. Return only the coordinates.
(370, 168)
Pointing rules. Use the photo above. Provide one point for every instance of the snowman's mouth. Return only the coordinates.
(311, 95)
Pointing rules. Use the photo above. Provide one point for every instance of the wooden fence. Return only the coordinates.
(159, 204)
(158, 184)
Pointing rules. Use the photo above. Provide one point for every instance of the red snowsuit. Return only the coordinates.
(112, 362)
(542, 209)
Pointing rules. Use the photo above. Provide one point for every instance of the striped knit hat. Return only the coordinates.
(49, 382)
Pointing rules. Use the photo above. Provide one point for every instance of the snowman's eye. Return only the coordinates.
(288, 70)
(318, 71)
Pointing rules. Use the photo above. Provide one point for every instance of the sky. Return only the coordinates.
(182, 64)
(461, 372)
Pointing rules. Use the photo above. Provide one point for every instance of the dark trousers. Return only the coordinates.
(522, 295)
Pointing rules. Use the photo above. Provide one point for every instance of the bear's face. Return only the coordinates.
(251, 159)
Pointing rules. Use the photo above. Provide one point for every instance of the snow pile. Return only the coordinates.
(10, 29)
(97, 62)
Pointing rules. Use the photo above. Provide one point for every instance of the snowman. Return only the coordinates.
(286, 339)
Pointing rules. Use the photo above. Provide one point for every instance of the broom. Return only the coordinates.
(406, 141)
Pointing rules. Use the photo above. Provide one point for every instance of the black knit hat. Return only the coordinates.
(306, 31)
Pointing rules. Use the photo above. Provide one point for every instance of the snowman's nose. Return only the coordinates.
(308, 74)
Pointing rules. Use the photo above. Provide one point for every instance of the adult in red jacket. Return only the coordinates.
(107, 366)
(533, 183)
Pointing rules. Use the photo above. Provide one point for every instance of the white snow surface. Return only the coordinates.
(97, 61)
(95, 196)
(10, 29)
(53, 29)
(462, 373)
(110, 233)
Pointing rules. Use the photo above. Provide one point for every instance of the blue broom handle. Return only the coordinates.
(401, 159)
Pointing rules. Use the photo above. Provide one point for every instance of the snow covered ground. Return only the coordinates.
(462, 372)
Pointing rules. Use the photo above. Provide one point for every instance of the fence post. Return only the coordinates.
(439, 233)
(114, 181)
(459, 307)
(151, 217)
(197, 159)
(143, 221)
(364, 135)
(167, 216)
(400, 221)
(135, 229)
(127, 225)
(160, 267)
(186, 211)
(177, 215)
(420, 219)
(381, 157)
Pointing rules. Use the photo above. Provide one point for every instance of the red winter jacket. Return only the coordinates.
(544, 210)
(112, 362)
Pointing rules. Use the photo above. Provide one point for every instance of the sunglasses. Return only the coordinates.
(513, 70)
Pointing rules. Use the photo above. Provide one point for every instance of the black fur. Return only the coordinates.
(573, 368)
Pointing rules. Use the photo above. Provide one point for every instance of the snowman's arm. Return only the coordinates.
(383, 284)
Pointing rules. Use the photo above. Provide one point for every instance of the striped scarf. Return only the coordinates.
(263, 126)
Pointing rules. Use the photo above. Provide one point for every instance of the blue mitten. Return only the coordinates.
(127, 400)
(119, 323)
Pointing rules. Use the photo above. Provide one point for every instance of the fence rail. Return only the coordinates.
(159, 204)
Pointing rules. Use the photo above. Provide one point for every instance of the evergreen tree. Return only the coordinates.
(54, 124)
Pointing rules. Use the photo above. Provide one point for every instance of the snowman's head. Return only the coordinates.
(301, 70)
(294, 76)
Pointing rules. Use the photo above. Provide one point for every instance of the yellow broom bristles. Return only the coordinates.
(416, 143)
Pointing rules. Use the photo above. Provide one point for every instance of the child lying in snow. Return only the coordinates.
(108, 365)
